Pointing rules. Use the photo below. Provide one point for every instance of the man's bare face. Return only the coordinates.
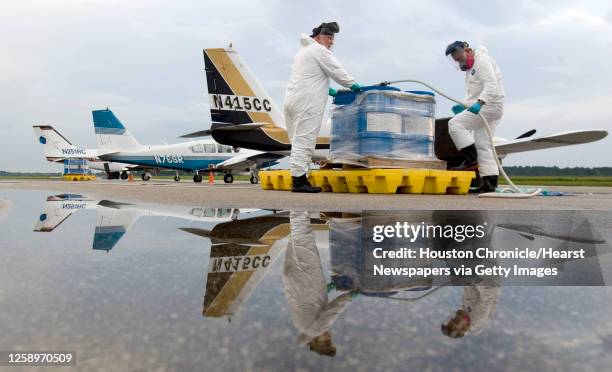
(325, 40)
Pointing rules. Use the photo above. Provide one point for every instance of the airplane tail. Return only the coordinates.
(236, 95)
(55, 146)
(111, 135)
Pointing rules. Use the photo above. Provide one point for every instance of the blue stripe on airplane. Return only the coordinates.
(186, 164)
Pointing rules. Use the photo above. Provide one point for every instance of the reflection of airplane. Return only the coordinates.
(244, 115)
(241, 253)
(59, 207)
(57, 148)
(114, 219)
(115, 143)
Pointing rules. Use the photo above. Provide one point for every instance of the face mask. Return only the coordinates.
(469, 62)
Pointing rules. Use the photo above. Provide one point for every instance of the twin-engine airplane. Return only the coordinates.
(244, 115)
(114, 219)
(116, 144)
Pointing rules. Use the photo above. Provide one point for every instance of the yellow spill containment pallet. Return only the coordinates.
(79, 177)
(376, 181)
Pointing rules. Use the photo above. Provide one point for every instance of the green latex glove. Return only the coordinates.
(332, 92)
(356, 87)
(457, 109)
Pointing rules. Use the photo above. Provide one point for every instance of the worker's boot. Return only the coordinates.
(470, 159)
(489, 184)
(301, 184)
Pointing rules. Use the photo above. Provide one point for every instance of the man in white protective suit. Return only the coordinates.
(306, 97)
(306, 291)
(478, 307)
(485, 95)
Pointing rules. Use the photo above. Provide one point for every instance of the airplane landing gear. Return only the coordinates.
(146, 176)
(228, 178)
(177, 177)
(197, 178)
(254, 179)
(124, 175)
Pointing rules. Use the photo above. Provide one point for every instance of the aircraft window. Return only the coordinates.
(211, 148)
(225, 149)
(225, 212)
(209, 212)
(196, 212)
(197, 148)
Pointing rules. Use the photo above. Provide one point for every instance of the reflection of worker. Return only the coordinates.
(479, 303)
(485, 95)
(306, 97)
(480, 292)
(305, 289)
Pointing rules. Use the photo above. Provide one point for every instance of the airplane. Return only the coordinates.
(241, 253)
(244, 115)
(115, 143)
(57, 148)
(114, 219)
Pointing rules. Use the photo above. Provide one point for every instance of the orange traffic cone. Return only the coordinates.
(130, 178)
(211, 177)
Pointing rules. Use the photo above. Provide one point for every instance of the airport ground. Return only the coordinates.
(244, 195)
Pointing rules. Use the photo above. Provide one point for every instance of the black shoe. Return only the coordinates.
(470, 159)
(301, 184)
(489, 184)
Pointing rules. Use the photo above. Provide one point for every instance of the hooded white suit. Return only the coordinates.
(304, 282)
(480, 303)
(306, 97)
(483, 81)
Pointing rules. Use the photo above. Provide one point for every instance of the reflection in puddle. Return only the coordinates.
(294, 288)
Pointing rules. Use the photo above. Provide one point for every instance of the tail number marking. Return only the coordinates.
(238, 263)
(161, 159)
(239, 103)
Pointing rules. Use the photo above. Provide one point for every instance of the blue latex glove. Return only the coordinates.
(475, 108)
(332, 92)
(457, 109)
(356, 87)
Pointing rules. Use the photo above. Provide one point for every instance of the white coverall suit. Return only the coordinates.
(480, 303)
(304, 281)
(483, 81)
(306, 97)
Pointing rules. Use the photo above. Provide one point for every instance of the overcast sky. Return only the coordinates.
(143, 59)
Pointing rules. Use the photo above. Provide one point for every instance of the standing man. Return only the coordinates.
(306, 97)
(485, 95)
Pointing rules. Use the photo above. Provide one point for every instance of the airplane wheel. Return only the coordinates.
(124, 175)
(177, 178)
(145, 177)
(228, 178)
(197, 178)
(254, 180)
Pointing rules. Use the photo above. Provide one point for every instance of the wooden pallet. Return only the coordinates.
(392, 163)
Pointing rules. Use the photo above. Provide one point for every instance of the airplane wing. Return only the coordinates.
(225, 127)
(247, 158)
(556, 140)
(200, 133)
